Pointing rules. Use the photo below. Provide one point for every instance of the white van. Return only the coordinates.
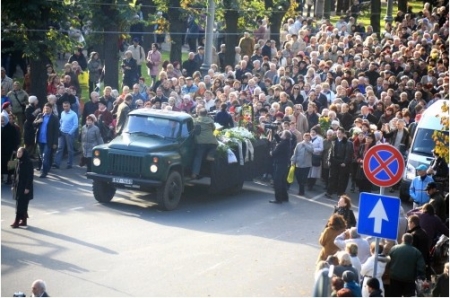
(422, 144)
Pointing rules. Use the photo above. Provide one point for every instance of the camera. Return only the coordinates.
(273, 126)
(19, 294)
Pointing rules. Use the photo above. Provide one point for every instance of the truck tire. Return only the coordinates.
(235, 189)
(103, 192)
(169, 194)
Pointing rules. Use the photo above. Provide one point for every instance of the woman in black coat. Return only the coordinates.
(130, 70)
(23, 187)
(10, 139)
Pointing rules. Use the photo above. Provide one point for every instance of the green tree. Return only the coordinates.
(441, 137)
(33, 29)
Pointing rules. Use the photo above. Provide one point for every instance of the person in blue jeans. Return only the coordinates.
(47, 132)
(68, 127)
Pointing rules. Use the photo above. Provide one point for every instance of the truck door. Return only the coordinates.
(187, 144)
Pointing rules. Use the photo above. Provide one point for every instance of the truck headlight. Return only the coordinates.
(153, 168)
(97, 162)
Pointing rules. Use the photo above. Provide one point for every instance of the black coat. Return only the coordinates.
(23, 179)
(10, 141)
(346, 120)
(281, 154)
(372, 119)
(421, 241)
(28, 128)
(341, 152)
(52, 129)
(89, 108)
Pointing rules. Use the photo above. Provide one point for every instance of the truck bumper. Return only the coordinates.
(122, 182)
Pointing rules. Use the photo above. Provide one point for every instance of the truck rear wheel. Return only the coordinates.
(169, 194)
(103, 192)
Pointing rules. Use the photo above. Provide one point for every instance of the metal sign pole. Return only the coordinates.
(377, 243)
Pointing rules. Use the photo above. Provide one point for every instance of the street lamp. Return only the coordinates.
(209, 37)
(388, 17)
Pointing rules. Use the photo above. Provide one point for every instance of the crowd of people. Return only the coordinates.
(324, 97)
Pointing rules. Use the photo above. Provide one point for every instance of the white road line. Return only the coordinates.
(51, 212)
(77, 208)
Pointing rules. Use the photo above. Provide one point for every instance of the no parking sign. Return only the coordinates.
(383, 165)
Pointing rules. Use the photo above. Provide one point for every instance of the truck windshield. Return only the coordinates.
(152, 126)
(423, 142)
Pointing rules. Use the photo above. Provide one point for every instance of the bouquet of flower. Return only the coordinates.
(324, 123)
(229, 138)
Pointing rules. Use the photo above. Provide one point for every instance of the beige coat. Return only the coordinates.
(327, 241)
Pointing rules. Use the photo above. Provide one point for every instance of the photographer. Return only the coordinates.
(281, 159)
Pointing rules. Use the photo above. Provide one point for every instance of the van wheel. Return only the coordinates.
(169, 194)
(103, 192)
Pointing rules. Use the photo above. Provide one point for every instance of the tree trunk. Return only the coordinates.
(111, 42)
(275, 19)
(148, 8)
(231, 37)
(38, 80)
(402, 5)
(375, 16)
(177, 26)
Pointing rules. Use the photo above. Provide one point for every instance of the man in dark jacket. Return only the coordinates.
(46, 137)
(281, 159)
(190, 66)
(90, 107)
(420, 240)
(406, 266)
(339, 160)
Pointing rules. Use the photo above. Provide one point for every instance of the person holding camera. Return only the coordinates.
(281, 159)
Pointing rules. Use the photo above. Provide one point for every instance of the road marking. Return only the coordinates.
(52, 212)
(77, 208)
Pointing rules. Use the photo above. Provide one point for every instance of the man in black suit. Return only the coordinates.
(38, 288)
(339, 160)
(365, 114)
(47, 134)
(281, 155)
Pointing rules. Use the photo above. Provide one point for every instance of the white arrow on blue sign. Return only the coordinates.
(378, 215)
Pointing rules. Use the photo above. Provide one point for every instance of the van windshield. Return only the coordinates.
(423, 142)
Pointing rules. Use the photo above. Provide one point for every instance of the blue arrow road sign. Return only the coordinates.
(378, 215)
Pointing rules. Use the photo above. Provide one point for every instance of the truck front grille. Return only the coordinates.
(125, 165)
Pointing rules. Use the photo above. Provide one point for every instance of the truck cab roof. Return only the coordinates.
(172, 115)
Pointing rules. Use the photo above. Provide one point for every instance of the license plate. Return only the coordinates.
(122, 180)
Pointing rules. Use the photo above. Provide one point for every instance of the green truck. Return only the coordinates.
(155, 154)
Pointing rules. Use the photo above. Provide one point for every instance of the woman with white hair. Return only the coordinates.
(29, 137)
(90, 137)
(130, 70)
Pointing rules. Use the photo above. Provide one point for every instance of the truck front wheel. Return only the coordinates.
(169, 194)
(103, 192)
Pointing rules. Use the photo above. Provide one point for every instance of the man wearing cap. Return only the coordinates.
(190, 87)
(417, 189)
(138, 54)
(437, 201)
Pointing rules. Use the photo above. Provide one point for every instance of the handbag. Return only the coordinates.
(316, 160)
(290, 177)
(12, 163)
(149, 64)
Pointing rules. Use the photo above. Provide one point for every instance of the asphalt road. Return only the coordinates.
(210, 246)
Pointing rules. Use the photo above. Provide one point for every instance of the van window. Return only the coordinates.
(423, 142)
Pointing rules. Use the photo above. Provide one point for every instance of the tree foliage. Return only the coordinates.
(441, 138)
